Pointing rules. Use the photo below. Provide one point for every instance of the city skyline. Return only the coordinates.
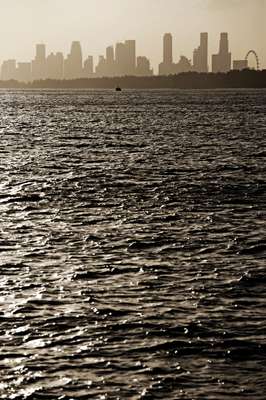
(95, 23)
(121, 59)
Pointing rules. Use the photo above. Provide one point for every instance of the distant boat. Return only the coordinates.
(118, 89)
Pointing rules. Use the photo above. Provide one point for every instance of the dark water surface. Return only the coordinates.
(132, 247)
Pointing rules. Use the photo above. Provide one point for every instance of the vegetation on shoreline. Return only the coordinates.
(188, 80)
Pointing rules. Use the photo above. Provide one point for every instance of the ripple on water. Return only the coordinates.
(132, 251)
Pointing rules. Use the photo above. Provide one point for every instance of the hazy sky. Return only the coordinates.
(98, 23)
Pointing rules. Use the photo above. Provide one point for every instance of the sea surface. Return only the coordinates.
(132, 245)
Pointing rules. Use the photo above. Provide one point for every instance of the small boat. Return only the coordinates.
(118, 89)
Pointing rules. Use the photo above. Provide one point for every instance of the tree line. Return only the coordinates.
(188, 80)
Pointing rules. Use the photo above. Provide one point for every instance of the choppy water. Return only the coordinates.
(132, 247)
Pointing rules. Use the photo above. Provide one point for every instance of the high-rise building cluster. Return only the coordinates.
(168, 67)
(119, 60)
(221, 62)
(122, 60)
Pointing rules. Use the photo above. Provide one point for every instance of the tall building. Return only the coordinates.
(24, 72)
(88, 67)
(73, 67)
(125, 58)
(184, 65)
(55, 66)
(40, 52)
(120, 56)
(130, 57)
(110, 61)
(224, 44)
(100, 69)
(39, 63)
(143, 67)
(110, 55)
(8, 70)
(168, 49)
(121, 59)
(200, 55)
(167, 66)
(221, 62)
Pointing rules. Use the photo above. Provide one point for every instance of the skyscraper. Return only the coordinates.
(8, 70)
(168, 49)
(39, 63)
(100, 69)
(204, 51)
(88, 67)
(24, 72)
(221, 62)
(130, 57)
(167, 67)
(73, 67)
(40, 52)
(224, 45)
(200, 55)
(143, 67)
(110, 55)
(55, 66)
(110, 61)
(125, 58)
(120, 55)
(183, 65)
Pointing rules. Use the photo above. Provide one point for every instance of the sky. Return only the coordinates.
(100, 23)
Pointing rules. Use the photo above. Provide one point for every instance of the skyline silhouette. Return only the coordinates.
(121, 59)
(97, 23)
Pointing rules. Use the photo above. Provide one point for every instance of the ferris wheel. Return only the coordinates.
(253, 52)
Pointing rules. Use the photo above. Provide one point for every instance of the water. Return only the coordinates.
(132, 248)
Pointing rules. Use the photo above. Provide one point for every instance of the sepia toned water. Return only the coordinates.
(132, 245)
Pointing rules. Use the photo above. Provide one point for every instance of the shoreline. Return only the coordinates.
(247, 79)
